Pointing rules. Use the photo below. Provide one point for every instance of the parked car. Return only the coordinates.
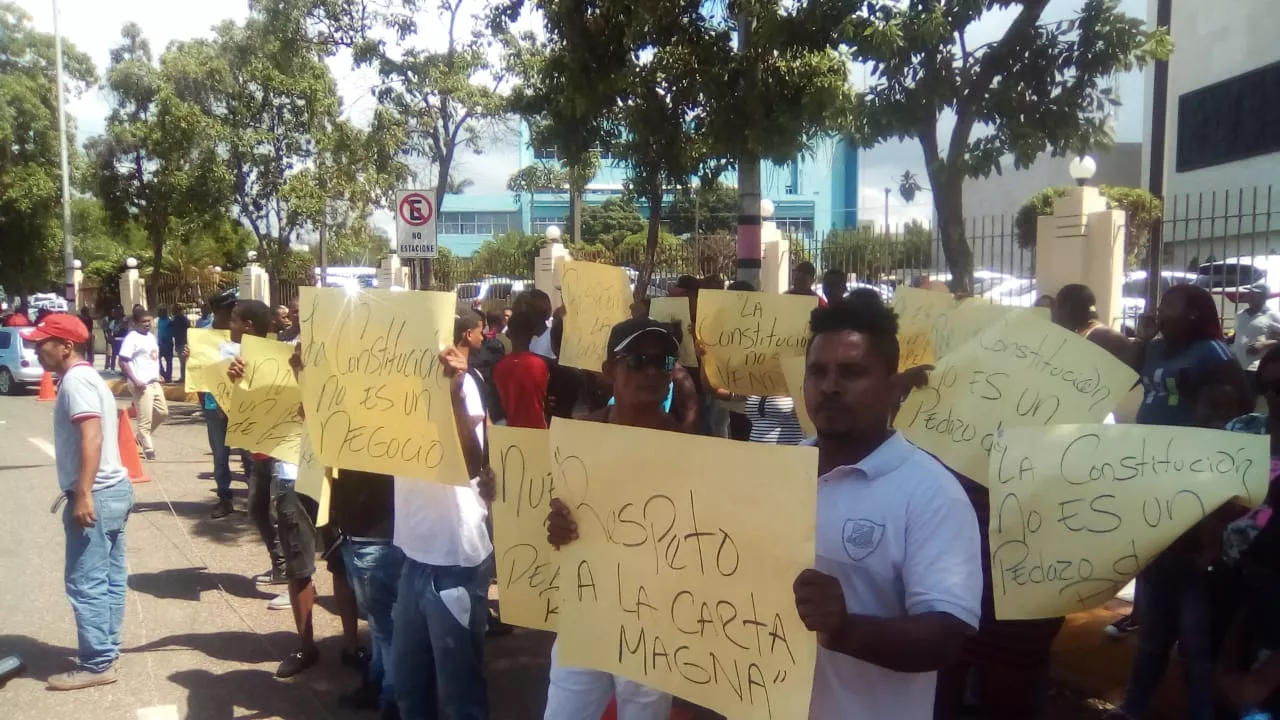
(490, 292)
(1229, 281)
(984, 281)
(19, 367)
(1018, 292)
(1134, 293)
(41, 301)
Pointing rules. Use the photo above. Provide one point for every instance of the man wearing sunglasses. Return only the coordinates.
(642, 356)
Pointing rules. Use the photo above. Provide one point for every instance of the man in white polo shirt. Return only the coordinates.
(898, 580)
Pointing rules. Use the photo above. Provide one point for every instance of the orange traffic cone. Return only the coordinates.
(129, 451)
(47, 393)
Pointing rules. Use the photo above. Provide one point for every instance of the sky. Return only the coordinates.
(94, 27)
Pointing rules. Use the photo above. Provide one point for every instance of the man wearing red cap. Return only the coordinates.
(99, 497)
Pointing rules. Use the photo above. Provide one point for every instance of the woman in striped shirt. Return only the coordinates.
(773, 420)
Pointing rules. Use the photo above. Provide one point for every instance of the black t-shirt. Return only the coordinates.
(363, 504)
(178, 327)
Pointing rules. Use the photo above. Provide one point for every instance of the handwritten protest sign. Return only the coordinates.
(373, 388)
(1078, 510)
(932, 324)
(1021, 371)
(206, 349)
(220, 386)
(793, 370)
(528, 569)
(681, 576)
(596, 297)
(312, 480)
(676, 310)
(746, 334)
(263, 416)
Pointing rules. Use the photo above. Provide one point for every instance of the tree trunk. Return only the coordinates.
(157, 255)
(651, 242)
(948, 205)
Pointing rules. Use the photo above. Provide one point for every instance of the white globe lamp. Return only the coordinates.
(1081, 168)
(553, 234)
(77, 264)
(767, 208)
(131, 263)
(253, 256)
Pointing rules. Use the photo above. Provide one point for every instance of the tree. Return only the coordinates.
(510, 254)
(456, 186)
(712, 203)
(1142, 211)
(671, 256)
(30, 190)
(148, 166)
(447, 98)
(610, 222)
(1039, 86)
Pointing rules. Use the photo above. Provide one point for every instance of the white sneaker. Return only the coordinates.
(280, 602)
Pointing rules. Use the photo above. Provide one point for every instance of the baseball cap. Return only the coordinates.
(58, 325)
(628, 330)
(225, 299)
(1260, 288)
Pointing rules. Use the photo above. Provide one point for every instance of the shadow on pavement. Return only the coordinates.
(226, 531)
(236, 646)
(41, 658)
(188, 584)
(216, 696)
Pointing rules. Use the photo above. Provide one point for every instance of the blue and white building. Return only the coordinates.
(812, 194)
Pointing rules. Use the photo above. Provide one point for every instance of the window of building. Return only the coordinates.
(540, 224)
(544, 154)
(1229, 120)
(795, 226)
(470, 223)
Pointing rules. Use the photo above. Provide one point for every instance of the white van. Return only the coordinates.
(1229, 282)
(490, 292)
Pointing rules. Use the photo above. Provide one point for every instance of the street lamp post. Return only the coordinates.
(68, 251)
(1081, 168)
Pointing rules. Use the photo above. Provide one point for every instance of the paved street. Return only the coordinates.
(199, 641)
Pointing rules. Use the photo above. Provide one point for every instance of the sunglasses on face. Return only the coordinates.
(637, 361)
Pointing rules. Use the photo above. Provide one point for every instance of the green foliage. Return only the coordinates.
(716, 209)
(591, 253)
(360, 244)
(511, 254)
(670, 256)
(1142, 211)
(871, 254)
(610, 222)
(30, 184)
(1041, 86)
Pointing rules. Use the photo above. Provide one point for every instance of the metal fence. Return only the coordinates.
(190, 288)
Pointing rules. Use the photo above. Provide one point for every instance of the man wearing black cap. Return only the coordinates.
(642, 356)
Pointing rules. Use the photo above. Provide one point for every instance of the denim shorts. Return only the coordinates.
(296, 529)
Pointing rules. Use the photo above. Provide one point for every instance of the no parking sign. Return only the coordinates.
(415, 224)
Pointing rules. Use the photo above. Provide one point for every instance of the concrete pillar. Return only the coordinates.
(78, 280)
(775, 258)
(391, 273)
(133, 290)
(547, 269)
(255, 283)
(1083, 242)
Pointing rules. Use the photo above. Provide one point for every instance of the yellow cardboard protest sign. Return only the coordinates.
(375, 394)
(676, 310)
(263, 415)
(528, 568)
(312, 480)
(1078, 510)
(932, 324)
(746, 334)
(681, 576)
(596, 297)
(206, 349)
(1021, 371)
(220, 386)
(793, 370)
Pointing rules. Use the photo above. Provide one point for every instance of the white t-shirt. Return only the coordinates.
(900, 535)
(440, 524)
(83, 395)
(143, 353)
(1249, 330)
(541, 345)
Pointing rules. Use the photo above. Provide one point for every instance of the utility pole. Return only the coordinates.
(68, 248)
(324, 245)
(887, 193)
(1155, 180)
(749, 221)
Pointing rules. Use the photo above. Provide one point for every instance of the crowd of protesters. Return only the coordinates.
(909, 632)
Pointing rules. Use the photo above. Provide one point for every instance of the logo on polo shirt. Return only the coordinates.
(861, 537)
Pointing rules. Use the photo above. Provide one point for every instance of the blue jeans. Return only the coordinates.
(215, 423)
(96, 576)
(373, 570)
(435, 655)
(1173, 606)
